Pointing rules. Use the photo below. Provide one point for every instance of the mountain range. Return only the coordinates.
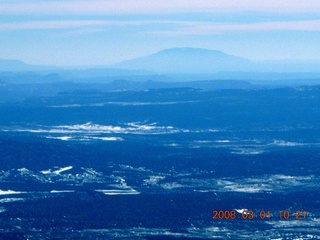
(187, 60)
(177, 61)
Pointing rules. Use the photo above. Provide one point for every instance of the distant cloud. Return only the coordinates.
(47, 25)
(65, 24)
(209, 28)
(176, 27)
(94, 7)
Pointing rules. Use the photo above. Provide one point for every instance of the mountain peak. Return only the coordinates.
(186, 60)
(12, 65)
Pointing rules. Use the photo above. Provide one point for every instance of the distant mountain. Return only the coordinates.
(187, 60)
(8, 65)
(13, 65)
(179, 64)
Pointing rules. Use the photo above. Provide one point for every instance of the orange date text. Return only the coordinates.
(258, 215)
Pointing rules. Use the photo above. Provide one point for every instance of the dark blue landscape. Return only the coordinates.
(98, 161)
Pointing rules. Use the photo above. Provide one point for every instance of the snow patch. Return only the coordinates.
(9, 192)
(6, 200)
(118, 192)
(61, 191)
(240, 210)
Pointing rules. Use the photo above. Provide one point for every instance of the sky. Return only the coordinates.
(102, 32)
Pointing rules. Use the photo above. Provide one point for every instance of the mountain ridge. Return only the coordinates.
(187, 60)
(15, 65)
(178, 60)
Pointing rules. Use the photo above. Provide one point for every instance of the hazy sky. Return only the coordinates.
(91, 32)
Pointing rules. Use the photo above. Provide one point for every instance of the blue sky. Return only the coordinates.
(96, 32)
